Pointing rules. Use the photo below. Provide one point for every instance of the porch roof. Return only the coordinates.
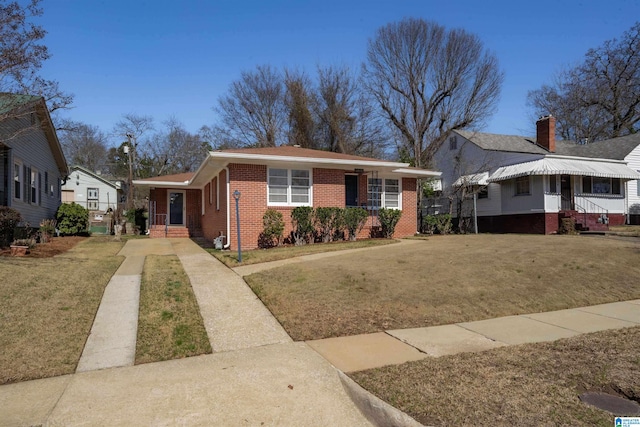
(562, 165)
(473, 179)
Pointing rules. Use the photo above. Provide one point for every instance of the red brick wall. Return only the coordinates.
(408, 224)
(328, 188)
(214, 220)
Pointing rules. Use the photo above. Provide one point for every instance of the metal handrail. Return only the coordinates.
(594, 208)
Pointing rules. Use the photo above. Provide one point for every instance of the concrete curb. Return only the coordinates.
(376, 411)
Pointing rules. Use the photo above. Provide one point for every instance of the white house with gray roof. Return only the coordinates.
(524, 184)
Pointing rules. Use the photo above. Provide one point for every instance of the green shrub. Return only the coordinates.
(354, 220)
(47, 230)
(272, 229)
(302, 220)
(388, 220)
(430, 224)
(328, 222)
(444, 223)
(72, 219)
(137, 217)
(9, 220)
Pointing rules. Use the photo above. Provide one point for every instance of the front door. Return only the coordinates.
(566, 192)
(176, 208)
(351, 190)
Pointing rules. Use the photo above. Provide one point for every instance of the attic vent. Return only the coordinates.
(453, 143)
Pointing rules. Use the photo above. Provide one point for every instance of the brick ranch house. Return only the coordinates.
(201, 204)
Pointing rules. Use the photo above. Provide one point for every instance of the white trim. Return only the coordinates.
(289, 185)
(319, 160)
(159, 184)
(228, 208)
(417, 173)
(33, 185)
(383, 193)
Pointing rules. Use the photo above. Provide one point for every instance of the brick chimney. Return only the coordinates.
(546, 133)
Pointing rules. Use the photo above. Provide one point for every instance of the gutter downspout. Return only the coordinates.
(228, 210)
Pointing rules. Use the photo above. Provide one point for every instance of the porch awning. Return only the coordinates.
(564, 166)
(473, 179)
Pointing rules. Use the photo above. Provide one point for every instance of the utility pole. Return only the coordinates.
(128, 149)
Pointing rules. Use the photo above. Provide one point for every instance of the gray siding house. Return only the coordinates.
(32, 164)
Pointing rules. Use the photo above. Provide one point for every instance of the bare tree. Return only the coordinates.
(84, 145)
(21, 57)
(429, 81)
(175, 150)
(299, 101)
(599, 98)
(253, 112)
(347, 121)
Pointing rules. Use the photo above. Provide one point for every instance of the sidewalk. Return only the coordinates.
(359, 352)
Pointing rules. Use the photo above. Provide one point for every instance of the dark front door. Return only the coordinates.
(566, 192)
(176, 208)
(351, 190)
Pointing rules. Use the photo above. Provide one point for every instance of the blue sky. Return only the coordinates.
(176, 58)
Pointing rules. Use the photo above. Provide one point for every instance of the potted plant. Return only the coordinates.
(21, 247)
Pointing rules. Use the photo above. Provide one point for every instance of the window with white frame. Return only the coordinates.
(553, 184)
(92, 199)
(289, 187)
(17, 180)
(35, 191)
(383, 193)
(522, 186)
(45, 190)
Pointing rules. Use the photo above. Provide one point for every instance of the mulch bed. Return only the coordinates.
(56, 246)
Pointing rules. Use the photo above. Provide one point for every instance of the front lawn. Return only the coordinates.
(525, 385)
(448, 279)
(47, 305)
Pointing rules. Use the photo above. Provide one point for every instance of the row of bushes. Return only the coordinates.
(323, 224)
(71, 219)
(440, 224)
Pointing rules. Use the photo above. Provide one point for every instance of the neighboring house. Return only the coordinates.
(91, 190)
(32, 164)
(281, 178)
(528, 185)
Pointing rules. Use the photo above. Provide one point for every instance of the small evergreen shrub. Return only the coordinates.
(430, 224)
(9, 220)
(354, 220)
(72, 219)
(328, 223)
(388, 220)
(444, 224)
(302, 220)
(272, 229)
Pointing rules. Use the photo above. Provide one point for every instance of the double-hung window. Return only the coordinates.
(289, 187)
(383, 193)
(523, 186)
(34, 187)
(17, 181)
(92, 199)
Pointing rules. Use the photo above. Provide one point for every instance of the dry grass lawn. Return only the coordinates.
(526, 385)
(47, 306)
(448, 279)
(169, 325)
(256, 256)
